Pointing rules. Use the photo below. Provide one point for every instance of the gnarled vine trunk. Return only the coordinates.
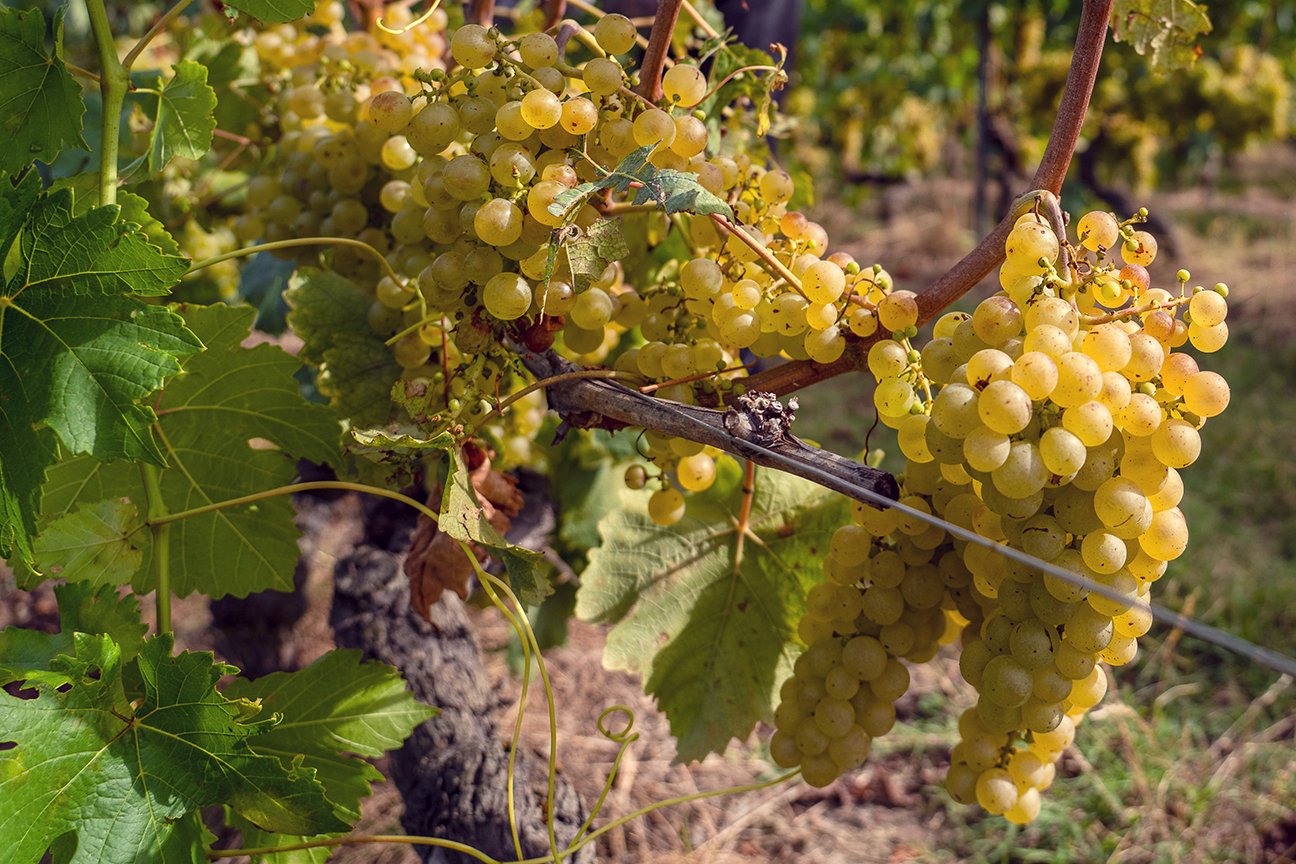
(452, 772)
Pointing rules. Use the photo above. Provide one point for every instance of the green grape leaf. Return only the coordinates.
(183, 123)
(40, 103)
(590, 251)
(356, 370)
(709, 623)
(122, 773)
(28, 655)
(79, 354)
(463, 518)
(1165, 31)
(336, 710)
(85, 609)
(134, 209)
(232, 424)
(273, 11)
(92, 544)
(673, 191)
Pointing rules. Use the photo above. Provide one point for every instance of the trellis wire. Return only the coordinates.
(1207, 633)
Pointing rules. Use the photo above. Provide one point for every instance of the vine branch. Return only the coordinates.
(654, 59)
(756, 429)
(989, 253)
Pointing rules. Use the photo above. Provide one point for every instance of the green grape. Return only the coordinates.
(592, 309)
(996, 320)
(541, 109)
(823, 282)
(472, 46)
(507, 296)
(653, 127)
(1098, 230)
(579, 116)
(1004, 407)
(538, 50)
(898, 311)
(615, 33)
(825, 346)
(666, 507)
(498, 222)
(684, 84)
(1140, 249)
(433, 129)
(1030, 241)
(1062, 451)
(510, 123)
(390, 111)
(985, 449)
(603, 77)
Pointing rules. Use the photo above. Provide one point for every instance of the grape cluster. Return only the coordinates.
(1055, 419)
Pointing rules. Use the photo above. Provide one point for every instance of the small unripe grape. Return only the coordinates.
(636, 477)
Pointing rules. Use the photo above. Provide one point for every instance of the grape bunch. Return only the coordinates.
(1054, 419)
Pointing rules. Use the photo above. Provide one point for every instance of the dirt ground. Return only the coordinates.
(888, 811)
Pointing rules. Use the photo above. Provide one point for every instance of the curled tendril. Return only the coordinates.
(626, 735)
(411, 25)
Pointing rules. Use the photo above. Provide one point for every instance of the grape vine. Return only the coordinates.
(488, 226)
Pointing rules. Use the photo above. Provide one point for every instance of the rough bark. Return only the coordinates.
(452, 770)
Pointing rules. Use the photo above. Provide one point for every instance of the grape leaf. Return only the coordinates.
(356, 370)
(84, 609)
(79, 353)
(592, 250)
(674, 191)
(1165, 31)
(40, 103)
(273, 11)
(337, 709)
(710, 626)
(463, 518)
(93, 544)
(228, 397)
(337, 706)
(28, 655)
(184, 120)
(122, 772)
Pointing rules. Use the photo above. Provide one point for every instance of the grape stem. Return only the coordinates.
(1134, 310)
(989, 253)
(654, 59)
(764, 254)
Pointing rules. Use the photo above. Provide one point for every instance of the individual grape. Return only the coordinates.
(390, 111)
(1208, 340)
(433, 129)
(684, 84)
(696, 473)
(507, 296)
(498, 222)
(666, 506)
(603, 77)
(987, 365)
(512, 165)
(653, 127)
(1004, 407)
(898, 311)
(1205, 394)
(1089, 691)
(1176, 444)
(1028, 242)
(690, 137)
(995, 791)
(1063, 452)
(615, 33)
(579, 116)
(592, 310)
(510, 123)
(1036, 373)
(985, 449)
(1208, 308)
(472, 46)
(823, 282)
(887, 359)
(1006, 682)
(397, 154)
(538, 50)
(1098, 230)
(1109, 346)
(1091, 422)
(1079, 380)
(825, 346)
(541, 109)
(1140, 248)
(996, 320)
(1167, 537)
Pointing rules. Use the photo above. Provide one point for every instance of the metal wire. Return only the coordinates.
(1264, 656)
